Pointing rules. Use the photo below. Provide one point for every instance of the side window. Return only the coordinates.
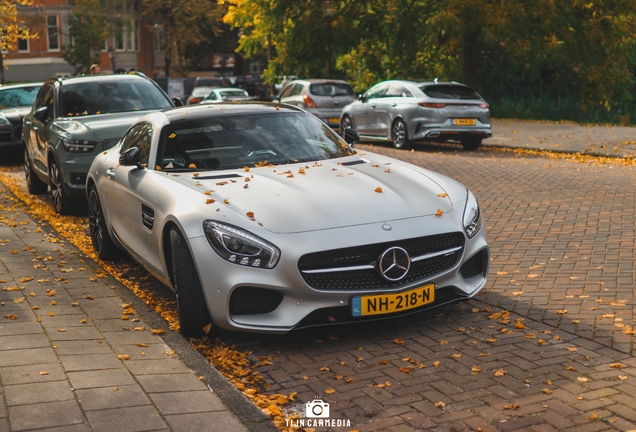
(407, 93)
(139, 136)
(376, 92)
(212, 96)
(394, 90)
(297, 89)
(286, 91)
(45, 98)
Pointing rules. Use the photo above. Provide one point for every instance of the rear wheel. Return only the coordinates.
(62, 203)
(471, 144)
(399, 134)
(346, 123)
(103, 244)
(191, 306)
(34, 184)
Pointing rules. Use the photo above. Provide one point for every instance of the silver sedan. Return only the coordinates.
(405, 111)
(263, 219)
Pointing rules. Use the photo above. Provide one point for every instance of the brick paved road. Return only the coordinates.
(562, 236)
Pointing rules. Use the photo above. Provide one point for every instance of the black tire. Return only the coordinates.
(103, 244)
(62, 203)
(191, 305)
(346, 123)
(34, 184)
(400, 135)
(472, 144)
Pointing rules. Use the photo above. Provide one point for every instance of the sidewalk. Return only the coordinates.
(614, 141)
(80, 352)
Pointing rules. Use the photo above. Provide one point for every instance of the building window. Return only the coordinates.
(23, 45)
(53, 34)
(217, 60)
(255, 67)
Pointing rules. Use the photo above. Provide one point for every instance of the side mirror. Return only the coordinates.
(177, 101)
(351, 136)
(362, 97)
(41, 113)
(131, 157)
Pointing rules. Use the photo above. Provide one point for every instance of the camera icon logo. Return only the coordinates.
(317, 409)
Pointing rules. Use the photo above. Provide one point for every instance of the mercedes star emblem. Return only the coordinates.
(394, 264)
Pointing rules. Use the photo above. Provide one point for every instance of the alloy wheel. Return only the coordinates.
(56, 187)
(95, 221)
(399, 134)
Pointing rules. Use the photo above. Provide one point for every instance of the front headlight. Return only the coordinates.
(78, 146)
(471, 215)
(4, 121)
(239, 246)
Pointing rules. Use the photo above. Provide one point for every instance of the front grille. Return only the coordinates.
(6, 136)
(251, 300)
(368, 254)
(475, 265)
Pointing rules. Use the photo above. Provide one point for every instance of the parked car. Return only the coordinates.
(323, 98)
(405, 111)
(262, 219)
(229, 94)
(74, 119)
(212, 82)
(15, 102)
(198, 94)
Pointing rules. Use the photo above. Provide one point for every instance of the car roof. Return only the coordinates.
(100, 78)
(320, 81)
(194, 112)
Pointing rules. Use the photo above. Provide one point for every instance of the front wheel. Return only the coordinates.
(472, 144)
(400, 135)
(103, 244)
(62, 203)
(34, 184)
(191, 305)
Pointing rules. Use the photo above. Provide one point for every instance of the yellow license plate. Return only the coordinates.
(389, 303)
(334, 120)
(464, 122)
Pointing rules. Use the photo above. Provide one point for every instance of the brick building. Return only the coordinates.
(41, 57)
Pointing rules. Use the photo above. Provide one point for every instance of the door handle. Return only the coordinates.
(393, 104)
(372, 105)
(110, 173)
(27, 122)
(35, 128)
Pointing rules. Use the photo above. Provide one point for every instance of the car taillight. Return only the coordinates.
(194, 100)
(431, 105)
(484, 105)
(309, 102)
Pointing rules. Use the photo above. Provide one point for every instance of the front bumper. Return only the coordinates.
(299, 305)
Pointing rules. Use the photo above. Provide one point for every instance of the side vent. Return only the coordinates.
(147, 216)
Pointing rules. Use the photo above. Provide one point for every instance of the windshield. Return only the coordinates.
(103, 97)
(229, 94)
(18, 96)
(448, 91)
(219, 143)
(331, 89)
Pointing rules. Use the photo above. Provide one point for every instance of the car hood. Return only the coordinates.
(101, 127)
(15, 114)
(317, 196)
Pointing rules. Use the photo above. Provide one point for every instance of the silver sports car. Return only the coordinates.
(405, 111)
(262, 219)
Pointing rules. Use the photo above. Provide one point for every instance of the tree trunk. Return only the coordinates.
(470, 58)
(1, 64)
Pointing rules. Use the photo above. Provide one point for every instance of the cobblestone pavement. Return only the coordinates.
(79, 352)
(562, 236)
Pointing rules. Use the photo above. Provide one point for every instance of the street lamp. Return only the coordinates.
(327, 14)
